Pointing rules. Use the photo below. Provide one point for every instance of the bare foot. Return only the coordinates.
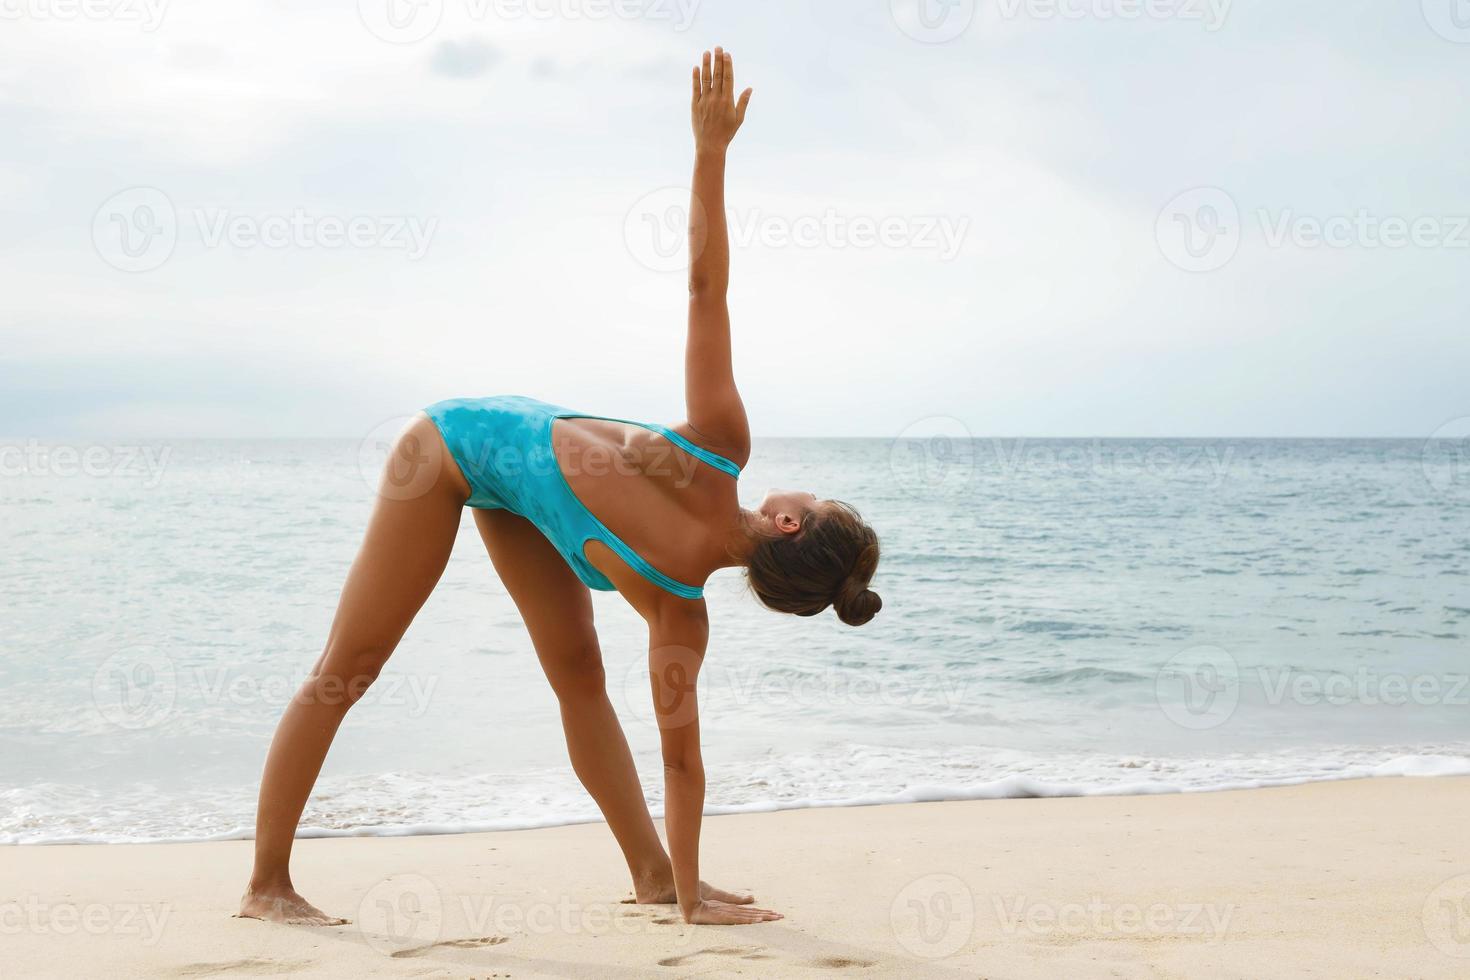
(660, 891)
(283, 905)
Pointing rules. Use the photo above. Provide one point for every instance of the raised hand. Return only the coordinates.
(715, 112)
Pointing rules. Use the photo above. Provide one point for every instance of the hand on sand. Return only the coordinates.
(286, 907)
(715, 913)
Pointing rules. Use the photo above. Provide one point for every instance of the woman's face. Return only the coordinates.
(786, 509)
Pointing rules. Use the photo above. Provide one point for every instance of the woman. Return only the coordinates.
(548, 487)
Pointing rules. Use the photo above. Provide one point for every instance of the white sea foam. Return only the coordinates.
(400, 804)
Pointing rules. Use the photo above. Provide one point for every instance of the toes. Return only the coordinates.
(319, 919)
(734, 898)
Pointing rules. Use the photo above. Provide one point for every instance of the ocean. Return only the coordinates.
(1061, 617)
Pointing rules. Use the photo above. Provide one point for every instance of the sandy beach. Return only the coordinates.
(1348, 879)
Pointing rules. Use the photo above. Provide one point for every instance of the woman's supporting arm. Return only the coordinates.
(710, 395)
(677, 641)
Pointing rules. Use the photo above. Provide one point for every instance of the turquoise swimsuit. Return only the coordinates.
(503, 446)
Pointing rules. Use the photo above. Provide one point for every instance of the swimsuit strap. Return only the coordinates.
(642, 566)
(698, 452)
(619, 547)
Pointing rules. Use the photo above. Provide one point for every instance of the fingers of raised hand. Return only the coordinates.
(740, 106)
(719, 70)
(705, 77)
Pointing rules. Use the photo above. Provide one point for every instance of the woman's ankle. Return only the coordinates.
(273, 883)
(653, 883)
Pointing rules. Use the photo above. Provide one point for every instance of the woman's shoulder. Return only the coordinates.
(735, 452)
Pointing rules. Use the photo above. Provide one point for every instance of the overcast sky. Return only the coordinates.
(1082, 217)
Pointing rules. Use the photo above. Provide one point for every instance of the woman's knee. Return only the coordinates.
(343, 677)
(576, 672)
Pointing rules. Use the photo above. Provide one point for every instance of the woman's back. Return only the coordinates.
(669, 506)
(646, 493)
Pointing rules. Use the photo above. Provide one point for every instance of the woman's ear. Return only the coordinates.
(787, 524)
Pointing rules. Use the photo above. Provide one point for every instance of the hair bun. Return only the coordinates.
(857, 607)
(855, 602)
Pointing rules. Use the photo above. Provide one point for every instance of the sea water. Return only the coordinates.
(1060, 617)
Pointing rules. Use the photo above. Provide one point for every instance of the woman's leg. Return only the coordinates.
(406, 547)
(557, 609)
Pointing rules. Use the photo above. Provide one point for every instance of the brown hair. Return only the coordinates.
(829, 562)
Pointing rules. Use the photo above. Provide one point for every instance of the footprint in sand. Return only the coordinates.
(744, 952)
(842, 963)
(258, 967)
(478, 942)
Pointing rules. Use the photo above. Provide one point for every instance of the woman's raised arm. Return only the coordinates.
(710, 395)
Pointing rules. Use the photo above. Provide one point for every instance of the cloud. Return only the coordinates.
(1053, 144)
(463, 59)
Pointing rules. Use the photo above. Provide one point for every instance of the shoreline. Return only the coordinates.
(1343, 878)
(1012, 787)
